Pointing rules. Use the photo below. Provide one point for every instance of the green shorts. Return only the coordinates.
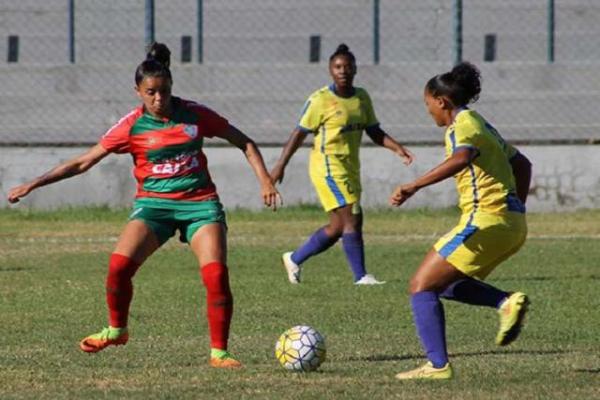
(164, 221)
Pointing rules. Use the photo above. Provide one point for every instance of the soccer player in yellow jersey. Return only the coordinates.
(337, 115)
(492, 179)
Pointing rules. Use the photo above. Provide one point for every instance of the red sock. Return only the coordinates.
(119, 289)
(219, 303)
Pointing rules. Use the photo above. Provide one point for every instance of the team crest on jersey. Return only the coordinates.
(191, 131)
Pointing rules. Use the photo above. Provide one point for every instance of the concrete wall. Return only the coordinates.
(565, 178)
(77, 104)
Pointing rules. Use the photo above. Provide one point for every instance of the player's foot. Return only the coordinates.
(427, 371)
(223, 359)
(368, 279)
(293, 269)
(512, 313)
(107, 337)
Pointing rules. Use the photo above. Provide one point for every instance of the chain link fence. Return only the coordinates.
(67, 66)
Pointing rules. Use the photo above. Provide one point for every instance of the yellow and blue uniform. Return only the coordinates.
(338, 124)
(492, 226)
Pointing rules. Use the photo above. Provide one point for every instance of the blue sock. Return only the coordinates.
(475, 292)
(428, 313)
(355, 253)
(318, 242)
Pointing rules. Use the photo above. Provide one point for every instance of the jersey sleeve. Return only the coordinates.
(367, 105)
(465, 135)
(116, 139)
(210, 123)
(510, 151)
(311, 116)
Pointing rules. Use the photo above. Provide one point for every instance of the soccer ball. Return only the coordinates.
(300, 348)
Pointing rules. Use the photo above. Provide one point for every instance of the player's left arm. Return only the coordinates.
(381, 138)
(458, 161)
(270, 195)
(521, 167)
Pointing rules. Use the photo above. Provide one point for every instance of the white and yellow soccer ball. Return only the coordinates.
(301, 348)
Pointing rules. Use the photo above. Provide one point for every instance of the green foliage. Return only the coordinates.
(52, 270)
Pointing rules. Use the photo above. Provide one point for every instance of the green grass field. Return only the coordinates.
(52, 269)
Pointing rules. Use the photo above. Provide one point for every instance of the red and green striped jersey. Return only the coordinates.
(169, 164)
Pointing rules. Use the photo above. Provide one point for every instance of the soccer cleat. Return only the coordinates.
(224, 360)
(107, 337)
(512, 313)
(427, 371)
(293, 269)
(368, 279)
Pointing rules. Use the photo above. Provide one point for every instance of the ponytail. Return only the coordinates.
(461, 85)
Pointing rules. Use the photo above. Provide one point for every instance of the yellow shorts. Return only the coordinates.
(336, 181)
(476, 246)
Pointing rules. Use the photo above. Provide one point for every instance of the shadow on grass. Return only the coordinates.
(548, 278)
(588, 370)
(13, 269)
(387, 357)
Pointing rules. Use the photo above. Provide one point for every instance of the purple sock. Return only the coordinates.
(318, 242)
(472, 291)
(355, 253)
(428, 313)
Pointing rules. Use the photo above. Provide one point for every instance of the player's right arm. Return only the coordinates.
(294, 142)
(75, 166)
(311, 118)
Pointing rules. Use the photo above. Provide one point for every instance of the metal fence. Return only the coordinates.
(67, 69)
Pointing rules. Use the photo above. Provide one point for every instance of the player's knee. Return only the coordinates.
(121, 268)
(418, 284)
(335, 231)
(215, 277)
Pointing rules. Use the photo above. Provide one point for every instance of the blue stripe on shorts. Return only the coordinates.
(336, 191)
(457, 240)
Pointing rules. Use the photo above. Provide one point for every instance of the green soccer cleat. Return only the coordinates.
(107, 337)
(427, 371)
(512, 313)
(223, 359)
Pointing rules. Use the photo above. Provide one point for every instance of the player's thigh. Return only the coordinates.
(137, 241)
(209, 243)
(514, 242)
(476, 247)
(434, 273)
(335, 192)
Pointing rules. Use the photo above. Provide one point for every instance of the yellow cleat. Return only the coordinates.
(427, 371)
(512, 313)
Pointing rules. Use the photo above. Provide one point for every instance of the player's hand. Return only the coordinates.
(402, 193)
(271, 196)
(407, 156)
(277, 174)
(15, 194)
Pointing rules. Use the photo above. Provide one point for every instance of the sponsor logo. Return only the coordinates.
(136, 212)
(191, 131)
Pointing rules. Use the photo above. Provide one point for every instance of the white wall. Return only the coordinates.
(565, 178)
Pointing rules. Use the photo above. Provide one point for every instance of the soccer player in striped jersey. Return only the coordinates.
(337, 115)
(492, 180)
(175, 192)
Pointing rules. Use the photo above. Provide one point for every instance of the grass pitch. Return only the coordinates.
(53, 265)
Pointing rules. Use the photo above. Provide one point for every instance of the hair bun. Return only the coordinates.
(159, 52)
(342, 48)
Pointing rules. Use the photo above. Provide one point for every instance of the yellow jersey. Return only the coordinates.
(487, 185)
(338, 122)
